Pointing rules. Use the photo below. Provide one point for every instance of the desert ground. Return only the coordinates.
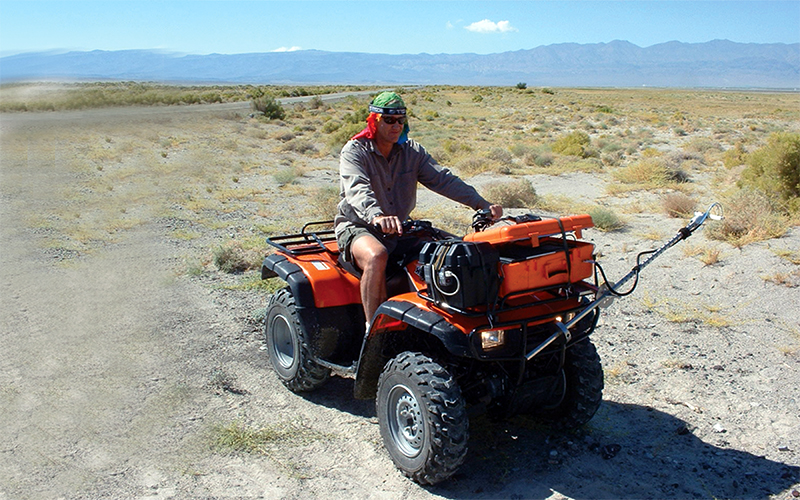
(131, 342)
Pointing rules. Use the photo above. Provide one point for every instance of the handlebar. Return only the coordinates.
(410, 227)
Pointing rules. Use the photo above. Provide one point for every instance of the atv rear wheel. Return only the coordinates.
(580, 388)
(422, 418)
(287, 345)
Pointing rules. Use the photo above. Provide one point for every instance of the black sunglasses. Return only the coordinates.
(391, 120)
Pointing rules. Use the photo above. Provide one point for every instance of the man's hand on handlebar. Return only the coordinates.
(497, 211)
(389, 224)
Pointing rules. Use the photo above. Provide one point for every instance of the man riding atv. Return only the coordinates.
(497, 321)
(379, 171)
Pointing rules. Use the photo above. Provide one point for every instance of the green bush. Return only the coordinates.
(775, 169)
(359, 116)
(331, 126)
(271, 108)
(605, 219)
(343, 134)
(316, 102)
(573, 144)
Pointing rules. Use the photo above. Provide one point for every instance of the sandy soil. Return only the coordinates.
(117, 368)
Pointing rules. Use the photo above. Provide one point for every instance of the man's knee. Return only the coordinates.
(369, 253)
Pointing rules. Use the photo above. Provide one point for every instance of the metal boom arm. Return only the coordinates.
(606, 291)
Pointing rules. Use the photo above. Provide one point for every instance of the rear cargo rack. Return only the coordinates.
(305, 242)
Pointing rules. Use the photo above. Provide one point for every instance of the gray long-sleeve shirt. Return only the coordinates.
(372, 186)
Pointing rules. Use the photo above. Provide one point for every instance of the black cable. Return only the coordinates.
(636, 270)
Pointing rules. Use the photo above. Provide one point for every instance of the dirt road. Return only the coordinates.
(118, 371)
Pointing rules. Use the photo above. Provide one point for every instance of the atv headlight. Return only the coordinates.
(492, 339)
(566, 318)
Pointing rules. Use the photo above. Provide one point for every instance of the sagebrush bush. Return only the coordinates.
(647, 171)
(300, 146)
(605, 219)
(573, 144)
(517, 194)
(287, 175)
(343, 134)
(500, 155)
(775, 169)
(734, 156)
(749, 216)
(271, 108)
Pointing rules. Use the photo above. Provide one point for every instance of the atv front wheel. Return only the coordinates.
(422, 418)
(580, 390)
(287, 346)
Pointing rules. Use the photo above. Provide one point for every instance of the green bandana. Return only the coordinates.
(388, 103)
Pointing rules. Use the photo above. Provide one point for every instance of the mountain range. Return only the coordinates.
(718, 63)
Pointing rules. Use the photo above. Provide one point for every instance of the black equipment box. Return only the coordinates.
(460, 274)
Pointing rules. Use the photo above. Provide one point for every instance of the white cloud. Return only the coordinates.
(288, 49)
(487, 26)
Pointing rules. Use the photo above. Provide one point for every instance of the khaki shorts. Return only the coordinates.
(398, 247)
(350, 234)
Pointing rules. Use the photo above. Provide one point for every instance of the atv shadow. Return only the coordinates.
(626, 451)
(338, 393)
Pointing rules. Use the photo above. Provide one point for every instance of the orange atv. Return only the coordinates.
(496, 321)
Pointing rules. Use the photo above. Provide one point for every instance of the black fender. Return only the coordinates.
(380, 345)
(277, 265)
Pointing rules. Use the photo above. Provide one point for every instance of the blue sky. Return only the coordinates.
(396, 27)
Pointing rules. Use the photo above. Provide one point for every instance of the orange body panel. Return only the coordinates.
(332, 285)
(532, 231)
(469, 323)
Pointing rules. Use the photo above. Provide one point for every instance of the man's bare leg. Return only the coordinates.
(371, 256)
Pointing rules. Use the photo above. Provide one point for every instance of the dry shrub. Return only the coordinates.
(734, 156)
(650, 172)
(285, 136)
(473, 166)
(679, 205)
(749, 216)
(647, 171)
(500, 155)
(517, 194)
(300, 146)
(232, 257)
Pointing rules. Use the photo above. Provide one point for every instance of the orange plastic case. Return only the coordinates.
(533, 256)
(545, 265)
(533, 231)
